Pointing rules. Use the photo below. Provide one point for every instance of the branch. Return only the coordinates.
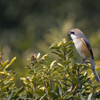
(43, 95)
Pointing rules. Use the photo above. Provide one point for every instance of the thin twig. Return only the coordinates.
(64, 64)
(34, 92)
(78, 75)
(24, 98)
(45, 87)
(43, 95)
(93, 93)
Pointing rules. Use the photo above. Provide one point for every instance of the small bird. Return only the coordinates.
(83, 47)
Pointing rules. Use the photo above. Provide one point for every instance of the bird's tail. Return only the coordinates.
(94, 70)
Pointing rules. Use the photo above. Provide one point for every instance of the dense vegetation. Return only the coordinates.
(62, 79)
(30, 26)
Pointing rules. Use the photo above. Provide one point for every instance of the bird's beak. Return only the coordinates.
(69, 34)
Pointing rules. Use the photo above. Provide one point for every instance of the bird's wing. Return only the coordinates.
(88, 46)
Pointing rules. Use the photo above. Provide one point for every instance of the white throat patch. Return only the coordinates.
(73, 36)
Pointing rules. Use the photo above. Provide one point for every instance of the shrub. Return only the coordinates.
(63, 79)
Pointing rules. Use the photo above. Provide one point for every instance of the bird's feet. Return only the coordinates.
(83, 60)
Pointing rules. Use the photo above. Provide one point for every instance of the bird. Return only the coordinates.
(83, 47)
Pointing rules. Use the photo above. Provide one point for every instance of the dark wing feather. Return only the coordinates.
(88, 46)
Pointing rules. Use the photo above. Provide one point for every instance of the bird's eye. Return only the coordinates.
(72, 32)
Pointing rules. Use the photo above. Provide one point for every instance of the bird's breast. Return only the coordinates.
(81, 47)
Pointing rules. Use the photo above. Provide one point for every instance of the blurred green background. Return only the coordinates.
(30, 26)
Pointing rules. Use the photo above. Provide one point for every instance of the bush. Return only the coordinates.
(63, 79)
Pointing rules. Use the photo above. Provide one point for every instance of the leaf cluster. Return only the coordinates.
(8, 90)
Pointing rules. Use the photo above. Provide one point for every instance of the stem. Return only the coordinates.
(64, 64)
(43, 96)
(93, 93)
(66, 93)
(78, 76)
(65, 55)
(45, 87)
(34, 91)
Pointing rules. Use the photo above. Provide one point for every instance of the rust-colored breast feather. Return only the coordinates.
(85, 49)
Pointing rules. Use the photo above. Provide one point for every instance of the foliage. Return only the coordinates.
(8, 90)
(63, 79)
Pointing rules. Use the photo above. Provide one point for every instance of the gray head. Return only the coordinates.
(75, 33)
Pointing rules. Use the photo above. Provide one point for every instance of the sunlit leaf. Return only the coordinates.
(44, 56)
(64, 40)
(60, 64)
(10, 63)
(81, 96)
(52, 64)
(60, 90)
(3, 64)
(59, 43)
(67, 97)
(1, 72)
(90, 96)
(38, 55)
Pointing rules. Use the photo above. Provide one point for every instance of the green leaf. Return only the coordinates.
(90, 96)
(5, 87)
(39, 92)
(60, 65)
(38, 55)
(52, 64)
(59, 99)
(67, 85)
(86, 80)
(97, 94)
(3, 64)
(13, 77)
(1, 72)
(81, 96)
(74, 80)
(59, 44)
(9, 96)
(63, 49)
(18, 91)
(67, 97)
(10, 63)
(68, 51)
(64, 40)
(60, 55)
(60, 90)
(70, 54)
(44, 56)
(69, 43)
(53, 45)
(55, 52)
(52, 95)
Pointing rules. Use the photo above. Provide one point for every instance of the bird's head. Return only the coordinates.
(75, 33)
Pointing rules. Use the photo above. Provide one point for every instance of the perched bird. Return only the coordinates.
(83, 47)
